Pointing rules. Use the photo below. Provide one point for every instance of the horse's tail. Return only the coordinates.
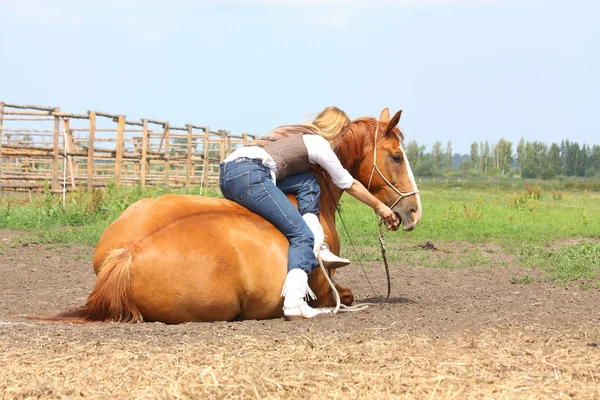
(110, 300)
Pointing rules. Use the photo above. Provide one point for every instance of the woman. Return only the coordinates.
(258, 176)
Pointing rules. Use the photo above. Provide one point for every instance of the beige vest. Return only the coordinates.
(286, 147)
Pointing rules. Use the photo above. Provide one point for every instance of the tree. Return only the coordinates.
(465, 166)
(448, 156)
(475, 159)
(425, 168)
(531, 166)
(413, 153)
(582, 161)
(504, 156)
(436, 156)
(571, 162)
(537, 161)
(521, 156)
(484, 151)
(554, 159)
(595, 158)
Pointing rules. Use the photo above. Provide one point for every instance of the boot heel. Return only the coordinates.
(335, 264)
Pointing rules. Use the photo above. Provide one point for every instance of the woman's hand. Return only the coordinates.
(388, 216)
(361, 193)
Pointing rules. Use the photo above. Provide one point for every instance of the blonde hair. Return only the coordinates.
(330, 122)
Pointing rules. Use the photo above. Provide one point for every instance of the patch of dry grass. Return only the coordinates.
(499, 363)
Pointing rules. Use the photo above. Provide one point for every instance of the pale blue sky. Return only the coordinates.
(462, 70)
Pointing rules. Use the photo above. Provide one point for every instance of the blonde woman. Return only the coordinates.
(259, 175)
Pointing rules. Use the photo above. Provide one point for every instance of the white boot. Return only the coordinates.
(330, 260)
(295, 289)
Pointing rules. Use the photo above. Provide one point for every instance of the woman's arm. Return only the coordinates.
(319, 152)
(358, 191)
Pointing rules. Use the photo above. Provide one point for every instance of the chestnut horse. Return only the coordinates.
(180, 258)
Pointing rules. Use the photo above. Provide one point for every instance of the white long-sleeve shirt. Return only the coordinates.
(319, 152)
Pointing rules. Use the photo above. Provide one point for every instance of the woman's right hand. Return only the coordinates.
(361, 193)
(388, 216)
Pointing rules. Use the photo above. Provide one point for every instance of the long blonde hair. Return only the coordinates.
(330, 122)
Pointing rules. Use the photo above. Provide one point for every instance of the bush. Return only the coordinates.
(425, 168)
(534, 192)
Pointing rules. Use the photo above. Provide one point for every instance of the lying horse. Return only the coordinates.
(180, 258)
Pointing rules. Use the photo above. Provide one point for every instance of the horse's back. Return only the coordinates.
(198, 258)
(175, 217)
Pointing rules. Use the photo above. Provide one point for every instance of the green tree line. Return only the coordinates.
(528, 159)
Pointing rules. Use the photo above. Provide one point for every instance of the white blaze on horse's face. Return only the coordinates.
(416, 214)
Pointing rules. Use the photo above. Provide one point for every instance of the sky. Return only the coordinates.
(461, 70)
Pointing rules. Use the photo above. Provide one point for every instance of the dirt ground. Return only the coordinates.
(445, 334)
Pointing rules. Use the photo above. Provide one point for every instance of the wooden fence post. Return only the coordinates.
(137, 147)
(72, 148)
(90, 157)
(55, 185)
(166, 135)
(228, 151)
(1, 134)
(222, 145)
(206, 154)
(67, 140)
(144, 162)
(8, 143)
(119, 151)
(188, 168)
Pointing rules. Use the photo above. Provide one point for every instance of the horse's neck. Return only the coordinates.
(354, 145)
(330, 197)
(328, 201)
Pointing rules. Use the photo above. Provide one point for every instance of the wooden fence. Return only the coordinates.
(42, 146)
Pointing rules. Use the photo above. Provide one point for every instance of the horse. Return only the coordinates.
(183, 258)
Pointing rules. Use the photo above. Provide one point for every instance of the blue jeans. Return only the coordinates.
(248, 183)
(307, 190)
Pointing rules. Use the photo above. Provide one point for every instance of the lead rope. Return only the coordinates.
(385, 262)
(339, 307)
(348, 235)
(336, 295)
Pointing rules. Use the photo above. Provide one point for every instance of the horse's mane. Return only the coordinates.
(357, 139)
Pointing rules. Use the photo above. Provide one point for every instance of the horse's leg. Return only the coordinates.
(346, 295)
(322, 290)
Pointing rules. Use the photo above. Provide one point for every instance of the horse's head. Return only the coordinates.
(375, 156)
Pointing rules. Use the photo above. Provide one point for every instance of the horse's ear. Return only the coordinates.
(393, 122)
(385, 115)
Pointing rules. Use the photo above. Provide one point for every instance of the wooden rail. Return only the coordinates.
(42, 146)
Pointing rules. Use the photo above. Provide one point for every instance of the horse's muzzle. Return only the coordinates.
(407, 221)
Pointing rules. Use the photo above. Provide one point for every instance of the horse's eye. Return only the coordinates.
(397, 158)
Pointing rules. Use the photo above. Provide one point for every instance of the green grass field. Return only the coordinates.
(553, 227)
(556, 231)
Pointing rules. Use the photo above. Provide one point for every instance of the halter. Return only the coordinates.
(401, 195)
(376, 168)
